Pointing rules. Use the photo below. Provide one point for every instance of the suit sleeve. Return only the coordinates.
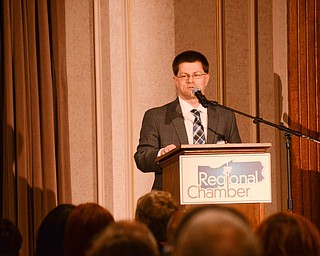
(149, 145)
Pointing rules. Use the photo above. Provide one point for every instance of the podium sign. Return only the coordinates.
(225, 178)
(237, 175)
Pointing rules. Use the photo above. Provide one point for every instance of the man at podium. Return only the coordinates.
(184, 120)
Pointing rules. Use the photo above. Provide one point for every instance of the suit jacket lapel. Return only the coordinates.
(175, 114)
(176, 117)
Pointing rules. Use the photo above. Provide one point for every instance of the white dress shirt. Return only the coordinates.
(189, 118)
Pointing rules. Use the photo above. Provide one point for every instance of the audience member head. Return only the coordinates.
(189, 56)
(155, 210)
(85, 222)
(125, 238)
(10, 238)
(214, 231)
(50, 236)
(288, 234)
(173, 224)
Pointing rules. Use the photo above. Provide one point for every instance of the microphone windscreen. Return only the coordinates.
(195, 89)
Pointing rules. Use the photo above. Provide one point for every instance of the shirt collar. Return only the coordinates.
(186, 107)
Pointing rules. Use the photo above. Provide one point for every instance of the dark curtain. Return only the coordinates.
(35, 161)
(304, 104)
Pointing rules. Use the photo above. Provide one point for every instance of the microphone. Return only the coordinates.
(201, 98)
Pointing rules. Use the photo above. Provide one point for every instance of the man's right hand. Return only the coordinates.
(167, 149)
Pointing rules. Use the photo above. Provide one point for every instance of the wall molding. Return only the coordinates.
(129, 168)
(253, 69)
(220, 51)
(99, 102)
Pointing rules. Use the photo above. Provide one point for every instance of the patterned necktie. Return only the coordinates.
(198, 131)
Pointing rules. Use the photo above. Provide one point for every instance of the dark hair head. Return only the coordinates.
(173, 224)
(85, 222)
(214, 230)
(155, 210)
(189, 56)
(287, 233)
(125, 238)
(10, 238)
(50, 234)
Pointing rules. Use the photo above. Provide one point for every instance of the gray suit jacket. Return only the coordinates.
(164, 125)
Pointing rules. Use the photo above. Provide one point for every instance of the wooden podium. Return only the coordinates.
(170, 164)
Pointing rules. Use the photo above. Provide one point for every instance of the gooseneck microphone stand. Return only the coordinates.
(287, 131)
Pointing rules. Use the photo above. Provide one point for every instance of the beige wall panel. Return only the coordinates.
(116, 107)
(268, 97)
(108, 188)
(80, 72)
(281, 85)
(237, 62)
(195, 29)
(137, 44)
(152, 52)
(249, 49)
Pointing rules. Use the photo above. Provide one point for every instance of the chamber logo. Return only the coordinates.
(230, 180)
(225, 178)
(231, 173)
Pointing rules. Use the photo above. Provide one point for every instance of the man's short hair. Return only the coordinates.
(155, 210)
(214, 231)
(124, 238)
(189, 56)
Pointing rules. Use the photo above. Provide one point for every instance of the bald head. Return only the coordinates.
(215, 231)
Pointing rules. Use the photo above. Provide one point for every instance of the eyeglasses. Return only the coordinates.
(195, 76)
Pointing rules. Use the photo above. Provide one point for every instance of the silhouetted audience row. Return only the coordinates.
(160, 228)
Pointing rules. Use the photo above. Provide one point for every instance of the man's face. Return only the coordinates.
(190, 75)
